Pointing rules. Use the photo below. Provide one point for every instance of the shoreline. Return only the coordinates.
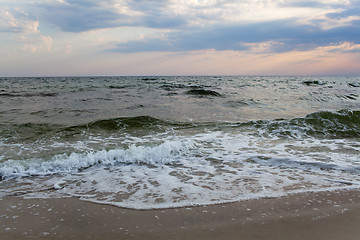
(314, 215)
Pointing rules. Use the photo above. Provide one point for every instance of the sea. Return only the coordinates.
(154, 142)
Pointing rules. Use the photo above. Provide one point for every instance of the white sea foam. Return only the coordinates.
(161, 154)
(200, 169)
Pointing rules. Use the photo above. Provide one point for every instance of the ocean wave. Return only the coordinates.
(33, 131)
(203, 93)
(314, 82)
(325, 124)
(344, 123)
(28, 94)
(339, 124)
(165, 153)
(28, 131)
(129, 122)
(354, 84)
(175, 86)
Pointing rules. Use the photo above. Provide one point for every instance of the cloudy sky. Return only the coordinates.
(202, 37)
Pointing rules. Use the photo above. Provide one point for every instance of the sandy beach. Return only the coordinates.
(323, 215)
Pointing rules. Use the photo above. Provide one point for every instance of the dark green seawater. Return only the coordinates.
(157, 142)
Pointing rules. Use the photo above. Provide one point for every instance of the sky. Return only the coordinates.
(193, 37)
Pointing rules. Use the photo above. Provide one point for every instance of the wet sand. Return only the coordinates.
(324, 215)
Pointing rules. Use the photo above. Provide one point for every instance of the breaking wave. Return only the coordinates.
(164, 153)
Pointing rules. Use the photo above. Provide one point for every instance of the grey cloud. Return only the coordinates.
(85, 15)
(292, 37)
(156, 14)
(79, 16)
